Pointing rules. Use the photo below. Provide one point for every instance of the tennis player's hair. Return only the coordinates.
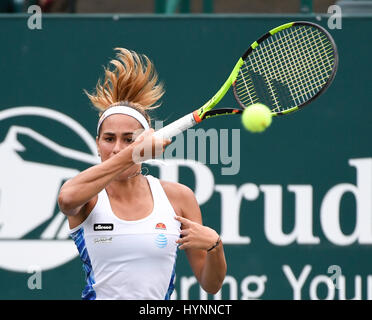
(133, 82)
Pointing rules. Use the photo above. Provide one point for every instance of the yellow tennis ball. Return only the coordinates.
(257, 117)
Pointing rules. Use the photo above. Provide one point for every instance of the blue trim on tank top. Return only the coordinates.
(78, 237)
(171, 283)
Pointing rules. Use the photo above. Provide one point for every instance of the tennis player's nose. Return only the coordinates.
(118, 147)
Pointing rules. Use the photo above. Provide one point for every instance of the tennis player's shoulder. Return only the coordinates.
(176, 189)
(183, 200)
(178, 194)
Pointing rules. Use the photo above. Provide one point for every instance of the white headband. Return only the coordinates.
(124, 110)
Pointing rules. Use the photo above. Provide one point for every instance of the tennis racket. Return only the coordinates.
(285, 69)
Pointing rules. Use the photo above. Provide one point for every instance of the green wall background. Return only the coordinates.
(193, 55)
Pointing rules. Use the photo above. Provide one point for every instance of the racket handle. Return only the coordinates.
(176, 127)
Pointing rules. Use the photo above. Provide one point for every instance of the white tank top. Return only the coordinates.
(132, 260)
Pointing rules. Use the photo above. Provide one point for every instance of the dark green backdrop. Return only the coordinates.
(309, 153)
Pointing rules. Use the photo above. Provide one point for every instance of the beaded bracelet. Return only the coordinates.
(215, 245)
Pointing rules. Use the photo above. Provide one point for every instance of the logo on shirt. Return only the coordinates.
(103, 227)
(103, 240)
(161, 241)
(160, 226)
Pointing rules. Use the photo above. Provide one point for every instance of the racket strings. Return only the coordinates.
(273, 66)
(287, 69)
(320, 71)
(308, 83)
(291, 66)
(288, 74)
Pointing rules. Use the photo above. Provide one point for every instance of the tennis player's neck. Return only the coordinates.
(127, 188)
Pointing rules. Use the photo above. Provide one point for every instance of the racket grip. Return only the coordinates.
(176, 127)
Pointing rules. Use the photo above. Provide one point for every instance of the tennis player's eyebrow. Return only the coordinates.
(124, 134)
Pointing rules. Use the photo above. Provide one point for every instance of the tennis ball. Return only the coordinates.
(256, 118)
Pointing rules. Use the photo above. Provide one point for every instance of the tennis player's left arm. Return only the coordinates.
(209, 267)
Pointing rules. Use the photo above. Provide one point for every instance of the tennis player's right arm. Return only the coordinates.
(78, 191)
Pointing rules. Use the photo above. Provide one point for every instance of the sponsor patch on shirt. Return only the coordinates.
(103, 240)
(160, 226)
(103, 226)
(161, 241)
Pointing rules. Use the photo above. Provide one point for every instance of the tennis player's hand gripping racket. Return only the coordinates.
(285, 69)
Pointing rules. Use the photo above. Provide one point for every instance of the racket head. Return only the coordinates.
(287, 68)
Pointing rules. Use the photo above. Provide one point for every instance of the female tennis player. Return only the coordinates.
(127, 226)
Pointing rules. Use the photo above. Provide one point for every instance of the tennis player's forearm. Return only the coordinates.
(79, 190)
(214, 270)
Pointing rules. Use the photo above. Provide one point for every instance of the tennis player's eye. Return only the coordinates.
(109, 139)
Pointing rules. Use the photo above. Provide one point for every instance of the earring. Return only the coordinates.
(144, 171)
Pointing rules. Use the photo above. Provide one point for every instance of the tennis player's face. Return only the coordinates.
(118, 131)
